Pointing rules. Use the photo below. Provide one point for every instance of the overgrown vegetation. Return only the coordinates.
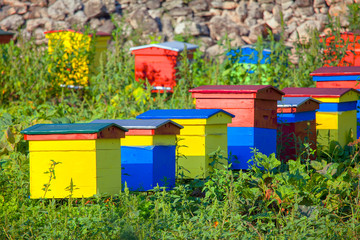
(301, 199)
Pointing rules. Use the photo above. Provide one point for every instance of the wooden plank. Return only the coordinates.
(336, 71)
(338, 84)
(62, 145)
(253, 118)
(50, 137)
(140, 132)
(226, 103)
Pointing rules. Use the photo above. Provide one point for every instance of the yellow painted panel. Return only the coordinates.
(159, 140)
(220, 118)
(80, 166)
(347, 97)
(327, 120)
(66, 145)
(347, 120)
(186, 122)
(201, 145)
(204, 130)
(326, 137)
(108, 171)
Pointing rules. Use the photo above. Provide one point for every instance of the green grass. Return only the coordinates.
(301, 199)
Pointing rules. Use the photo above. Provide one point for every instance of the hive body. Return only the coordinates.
(69, 162)
(336, 114)
(296, 126)
(203, 133)
(254, 108)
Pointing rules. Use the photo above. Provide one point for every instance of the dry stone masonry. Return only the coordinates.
(207, 20)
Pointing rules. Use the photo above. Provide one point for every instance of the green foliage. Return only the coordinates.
(300, 199)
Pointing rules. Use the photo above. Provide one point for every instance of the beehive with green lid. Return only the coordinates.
(77, 160)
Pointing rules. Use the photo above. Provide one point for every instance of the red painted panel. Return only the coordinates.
(249, 91)
(208, 103)
(223, 96)
(336, 71)
(316, 92)
(153, 51)
(253, 118)
(47, 137)
(338, 84)
(140, 132)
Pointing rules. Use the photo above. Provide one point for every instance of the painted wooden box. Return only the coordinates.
(157, 63)
(148, 153)
(348, 40)
(74, 68)
(78, 160)
(205, 130)
(252, 105)
(255, 109)
(5, 37)
(339, 77)
(336, 116)
(296, 126)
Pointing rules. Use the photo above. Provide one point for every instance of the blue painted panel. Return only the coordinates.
(145, 167)
(337, 107)
(336, 78)
(164, 166)
(358, 128)
(249, 55)
(241, 139)
(296, 117)
(180, 113)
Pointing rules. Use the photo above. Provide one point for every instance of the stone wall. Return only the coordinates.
(208, 20)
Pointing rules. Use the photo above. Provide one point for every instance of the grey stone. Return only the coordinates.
(304, 29)
(39, 3)
(215, 51)
(303, 3)
(267, 15)
(250, 21)
(39, 33)
(254, 10)
(177, 12)
(286, 5)
(266, 1)
(110, 6)
(267, 7)
(241, 11)
(305, 11)
(93, 8)
(287, 14)
(192, 28)
(140, 18)
(36, 12)
(94, 23)
(106, 27)
(168, 5)
(58, 10)
(153, 4)
(72, 5)
(276, 12)
(319, 3)
(61, 25)
(79, 18)
(12, 22)
(156, 13)
(256, 31)
(216, 4)
(167, 27)
(220, 26)
(228, 5)
(273, 23)
(32, 24)
(199, 5)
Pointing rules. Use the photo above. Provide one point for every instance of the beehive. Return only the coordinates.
(347, 40)
(148, 153)
(157, 63)
(336, 116)
(204, 132)
(77, 160)
(73, 70)
(248, 54)
(339, 77)
(296, 126)
(255, 121)
(5, 37)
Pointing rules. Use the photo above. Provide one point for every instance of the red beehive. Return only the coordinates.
(252, 105)
(352, 52)
(296, 125)
(5, 37)
(157, 63)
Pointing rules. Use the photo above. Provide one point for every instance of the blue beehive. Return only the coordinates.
(249, 54)
(148, 153)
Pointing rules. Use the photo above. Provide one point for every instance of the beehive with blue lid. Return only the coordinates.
(77, 160)
(147, 152)
(296, 126)
(339, 77)
(204, 132)
(255, 121)
(336, 116)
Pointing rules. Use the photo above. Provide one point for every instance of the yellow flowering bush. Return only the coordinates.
(69, 51)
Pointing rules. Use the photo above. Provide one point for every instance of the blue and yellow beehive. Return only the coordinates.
(148, 153)
(77, 160)
(336, 117)
(205, 130)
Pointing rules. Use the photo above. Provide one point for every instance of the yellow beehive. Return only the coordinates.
(336, 117)
(77, 160)
(205, 130)
(73, 68)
